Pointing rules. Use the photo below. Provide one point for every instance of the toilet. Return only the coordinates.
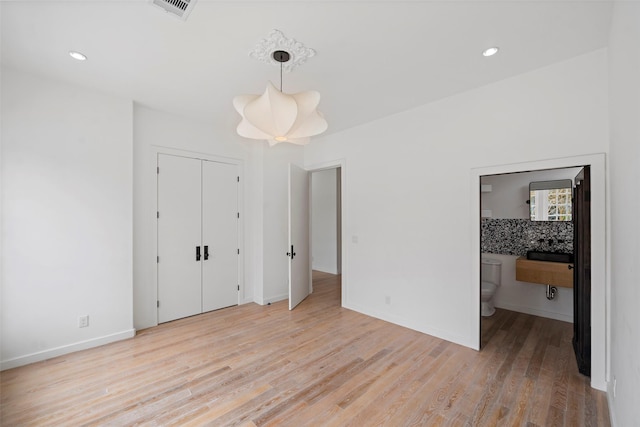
(490, 272)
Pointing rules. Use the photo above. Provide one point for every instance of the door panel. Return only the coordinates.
(220, 234)
(299, 265)
(179, 224)
(582, 272)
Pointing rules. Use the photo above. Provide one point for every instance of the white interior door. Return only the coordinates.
(179, 236)
(219, 235)
(298, 251)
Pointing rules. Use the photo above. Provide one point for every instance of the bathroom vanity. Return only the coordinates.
(544, 272)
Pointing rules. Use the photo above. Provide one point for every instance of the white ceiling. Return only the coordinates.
(374, 58)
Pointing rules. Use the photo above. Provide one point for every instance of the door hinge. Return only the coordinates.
(158, 303)
(238, 179)
(158, 214)
(158, 169)
(238, 251)
(238, 214)
(158, 258)
(238, 287)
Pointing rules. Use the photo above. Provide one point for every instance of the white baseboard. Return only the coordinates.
(535, 312)
(400, 321)
(65, 349)
(275, 298)
(325, 269)
(271, 299)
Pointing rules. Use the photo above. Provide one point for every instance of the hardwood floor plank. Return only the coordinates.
(575, 408)
(319, 364)
(535, 363)
(401, 347)
(540, 401)
(486, 409)
(437, 390)
(520, 402)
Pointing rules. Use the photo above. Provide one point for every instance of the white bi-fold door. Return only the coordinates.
(197, 236)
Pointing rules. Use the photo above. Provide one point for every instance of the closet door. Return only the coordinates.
(219, 235)
(179, 236)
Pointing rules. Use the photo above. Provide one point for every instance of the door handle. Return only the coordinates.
(291, 254)
(197, 253)
(570, 267)
(206, 252)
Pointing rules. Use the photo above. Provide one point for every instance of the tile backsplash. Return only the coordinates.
(517, 236)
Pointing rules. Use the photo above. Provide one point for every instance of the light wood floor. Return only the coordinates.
(318, 365)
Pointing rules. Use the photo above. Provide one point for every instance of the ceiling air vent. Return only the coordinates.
(177, 8)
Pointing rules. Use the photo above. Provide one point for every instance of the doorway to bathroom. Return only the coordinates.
(600, 285)
(515, 224)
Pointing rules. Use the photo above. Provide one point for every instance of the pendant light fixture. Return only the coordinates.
(276, 116)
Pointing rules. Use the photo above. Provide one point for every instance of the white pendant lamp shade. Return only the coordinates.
(279, 117)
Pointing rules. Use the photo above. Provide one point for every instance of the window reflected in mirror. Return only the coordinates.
(550, 200)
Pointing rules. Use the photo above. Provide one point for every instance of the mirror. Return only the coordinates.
(550, 200)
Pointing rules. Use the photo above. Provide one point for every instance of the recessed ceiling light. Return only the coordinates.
(490, 52)
(77, 55)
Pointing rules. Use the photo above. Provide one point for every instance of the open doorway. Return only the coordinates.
(326, 230)
(510, 230)
(600, 286)
(549, 236)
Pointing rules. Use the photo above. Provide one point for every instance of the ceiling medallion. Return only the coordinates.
(276, 116)
(276, 41)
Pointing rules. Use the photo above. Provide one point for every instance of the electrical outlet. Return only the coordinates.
(83, 321)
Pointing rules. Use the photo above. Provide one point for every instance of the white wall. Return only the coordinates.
(67, 218)
(324, 220)
(408, 193)
(508, 200)
(624, 63)
(128, 145)
(156, 131)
